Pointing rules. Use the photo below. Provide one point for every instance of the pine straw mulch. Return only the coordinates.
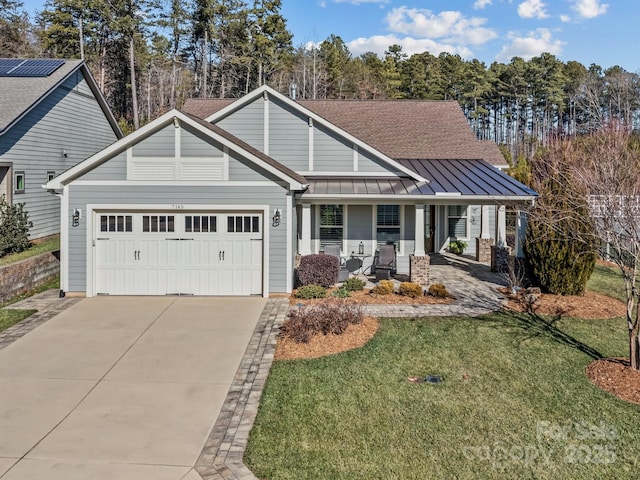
(610, 374)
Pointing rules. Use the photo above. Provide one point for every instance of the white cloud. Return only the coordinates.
(449, 25)
(565, 18)
(358, 2)
(380, 43)
(532, 9)
(480, 4)
(535, 43)
(590, 8)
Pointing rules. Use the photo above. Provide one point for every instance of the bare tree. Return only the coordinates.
(608, 167)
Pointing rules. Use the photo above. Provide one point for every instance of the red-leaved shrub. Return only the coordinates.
(318, 270)
(332, 316)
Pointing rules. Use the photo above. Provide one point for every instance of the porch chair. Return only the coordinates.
(384, 262)
(343, 272)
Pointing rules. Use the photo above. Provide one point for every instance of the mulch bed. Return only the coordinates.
(320, 345)
(365, 297)
(591, 305)
(615, 375)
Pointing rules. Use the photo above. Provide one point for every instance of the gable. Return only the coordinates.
(300, 141)
(178, 148)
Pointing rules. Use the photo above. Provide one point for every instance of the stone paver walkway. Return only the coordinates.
(473, 285)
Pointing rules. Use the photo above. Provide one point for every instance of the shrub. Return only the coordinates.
(332, 316)
(14, 228)
(318, 270)
(311, 291)
(342, 292)
(384, 287)
(457, 246)
(438, 290)
(354, 284)
(410, 289)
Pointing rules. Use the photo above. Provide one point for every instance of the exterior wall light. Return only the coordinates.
(277, 216)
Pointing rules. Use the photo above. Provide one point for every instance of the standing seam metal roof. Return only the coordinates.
(456, 176)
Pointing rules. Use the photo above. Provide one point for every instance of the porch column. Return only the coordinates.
(485, 233)
(521, 228)
(419, 232)
(501, 236)
(305, 241)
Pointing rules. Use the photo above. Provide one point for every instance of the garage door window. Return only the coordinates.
(116, 223)
(243, 224)
(158, 223)
(200, 224)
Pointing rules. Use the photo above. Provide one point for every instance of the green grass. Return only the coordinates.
(608, 281)
(515, 403)
(48, 245)
(11, 317)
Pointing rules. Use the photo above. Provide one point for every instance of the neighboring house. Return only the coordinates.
(52, 116)
(221, 202)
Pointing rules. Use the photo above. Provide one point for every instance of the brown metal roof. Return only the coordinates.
(475, 178)
(398, 128)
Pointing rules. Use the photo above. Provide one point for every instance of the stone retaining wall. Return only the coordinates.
(20, 277)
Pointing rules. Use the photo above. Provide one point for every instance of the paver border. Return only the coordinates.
(221, 457)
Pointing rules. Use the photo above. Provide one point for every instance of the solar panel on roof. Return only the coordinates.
(7, 64)
(29, 68)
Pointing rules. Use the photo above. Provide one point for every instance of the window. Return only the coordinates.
(158, 223)
(50, 175)
(388, 225)
(331, 225)
(243, 224)
(19, 179)
(458, 221)
(116, 223)
(200, 223)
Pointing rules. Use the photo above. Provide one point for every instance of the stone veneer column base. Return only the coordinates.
(419, 270)
(483, 249)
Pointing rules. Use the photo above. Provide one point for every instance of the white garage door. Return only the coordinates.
(187, 253)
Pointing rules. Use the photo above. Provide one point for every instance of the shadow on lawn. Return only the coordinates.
(531, 325)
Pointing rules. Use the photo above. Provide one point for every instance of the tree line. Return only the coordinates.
(148, 56)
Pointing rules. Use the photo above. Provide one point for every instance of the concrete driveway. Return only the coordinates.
(120, 387)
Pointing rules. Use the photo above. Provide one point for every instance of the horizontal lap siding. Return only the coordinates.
(68, 119)
(247, 124)
(194, 144)
(137, 197)
(288, 137)
(160, 144)
(114, 169)
(368, 163)
(331, 153)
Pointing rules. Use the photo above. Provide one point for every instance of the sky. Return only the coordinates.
(602, 32)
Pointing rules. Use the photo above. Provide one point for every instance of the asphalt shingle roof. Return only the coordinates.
(415, 129)
(19, 94)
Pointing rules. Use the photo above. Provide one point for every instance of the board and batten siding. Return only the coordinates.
(69, 120)
(139, 196)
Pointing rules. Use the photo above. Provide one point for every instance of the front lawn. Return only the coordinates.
(515, 403)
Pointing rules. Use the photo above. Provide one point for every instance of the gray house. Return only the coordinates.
(52, 116)
(221, 200)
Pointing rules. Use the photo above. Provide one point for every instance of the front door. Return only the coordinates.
(430, 229)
